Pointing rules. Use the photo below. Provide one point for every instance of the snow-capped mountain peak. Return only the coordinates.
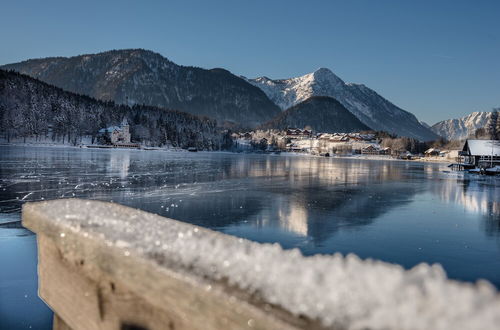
(462, 128)
(325, 75)
(368, 106)
(289, 92)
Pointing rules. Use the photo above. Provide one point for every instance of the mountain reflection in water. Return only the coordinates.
(404, 212)
(400, 212)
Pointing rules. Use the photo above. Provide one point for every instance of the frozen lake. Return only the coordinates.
(400, 212)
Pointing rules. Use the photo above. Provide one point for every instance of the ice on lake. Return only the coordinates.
(400, 212)
(394, 211)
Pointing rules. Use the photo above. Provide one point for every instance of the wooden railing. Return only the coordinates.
(107, 266)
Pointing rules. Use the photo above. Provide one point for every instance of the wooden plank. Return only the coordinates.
(102, 302)
(82, 303)
(70, 294)
(106, 266)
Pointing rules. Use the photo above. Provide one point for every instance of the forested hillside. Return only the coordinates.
(138, 76)
(321, 113)
(33, 109)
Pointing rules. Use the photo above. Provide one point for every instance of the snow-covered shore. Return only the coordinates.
(439, 160)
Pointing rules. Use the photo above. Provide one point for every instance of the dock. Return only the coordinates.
(461, 166)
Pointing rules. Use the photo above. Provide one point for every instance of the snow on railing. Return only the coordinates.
(107, 266)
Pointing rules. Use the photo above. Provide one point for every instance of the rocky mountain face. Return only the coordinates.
(33, 109)
(137, 76)
(368, 106)
(468, 126)
(321, 113)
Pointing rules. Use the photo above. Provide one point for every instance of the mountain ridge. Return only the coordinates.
(366, 104)
(467, 126)
(138, 76)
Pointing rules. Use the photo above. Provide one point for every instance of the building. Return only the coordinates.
(361, 137)
(117, 135)
(481, 153)
(298, 133)
(406, 155)
(370, 150)
(375, 150)
(432, 152)
(385, 151)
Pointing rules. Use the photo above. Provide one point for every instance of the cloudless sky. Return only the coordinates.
(437, 59)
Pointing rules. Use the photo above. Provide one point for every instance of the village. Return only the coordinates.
(479, 156)
(475, 156)
(327, 144)
(472, 155)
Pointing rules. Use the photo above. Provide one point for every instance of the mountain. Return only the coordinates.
(136, 76)
(321, 113)
(368, 106)
(31, 109)
(462, 128)
(423, 123)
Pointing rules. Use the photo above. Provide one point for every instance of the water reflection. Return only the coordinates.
(307, 196)
(317, 204)
(318, 212)
(476, 194)
(292, 218)
(394, 211)
(119, 163)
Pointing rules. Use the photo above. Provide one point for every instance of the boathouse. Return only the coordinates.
(481, 153)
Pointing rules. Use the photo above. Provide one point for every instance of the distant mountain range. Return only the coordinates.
(136, 76)
(368, 106)
(462, 128)
(321, 113)
(36, 110)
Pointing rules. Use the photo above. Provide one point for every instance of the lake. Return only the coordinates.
(396, 211)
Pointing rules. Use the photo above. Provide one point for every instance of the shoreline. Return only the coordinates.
(432, 160)
(375, 157)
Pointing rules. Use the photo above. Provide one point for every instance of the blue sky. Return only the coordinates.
(437, 59)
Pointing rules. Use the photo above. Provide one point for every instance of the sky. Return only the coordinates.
(436, 59)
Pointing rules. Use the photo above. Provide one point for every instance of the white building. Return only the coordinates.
(118, 134)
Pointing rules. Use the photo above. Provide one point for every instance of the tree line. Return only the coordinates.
(31, 108)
